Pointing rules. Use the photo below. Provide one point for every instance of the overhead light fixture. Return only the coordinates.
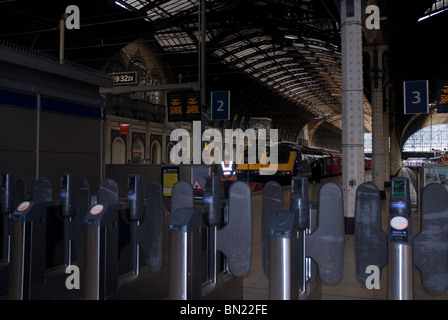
(291, 36)
(432, 14)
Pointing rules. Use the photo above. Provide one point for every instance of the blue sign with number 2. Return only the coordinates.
(220, 105)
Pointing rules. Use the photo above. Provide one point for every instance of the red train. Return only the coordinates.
(368, 164)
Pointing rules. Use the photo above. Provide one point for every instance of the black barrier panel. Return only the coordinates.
(182, 196)
(77, 229)
(108, 192)
(19, 191)
(431, 244)
(43, 190)
(7, 193)
(370, 240)
(150, 236)
(272, 202)
(326, 244)
(234, 240)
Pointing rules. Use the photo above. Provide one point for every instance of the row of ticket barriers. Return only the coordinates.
(147, 246)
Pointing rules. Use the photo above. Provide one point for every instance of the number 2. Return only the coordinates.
(221, 104)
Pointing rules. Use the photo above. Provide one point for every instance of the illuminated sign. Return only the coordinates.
(192, 106)
(398, 188)
(124, 78)
(184, 106)
(442, 95)
(175, 107)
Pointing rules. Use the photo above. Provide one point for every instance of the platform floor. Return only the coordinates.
(256, 284)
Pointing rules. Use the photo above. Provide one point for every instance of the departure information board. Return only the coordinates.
(442, 95)
(184, 106)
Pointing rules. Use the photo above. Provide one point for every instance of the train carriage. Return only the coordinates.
(293, 160)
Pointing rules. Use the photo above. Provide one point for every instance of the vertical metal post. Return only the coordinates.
(7, 206)
(283, 275)
(378, 158)
(101, 143)
(17, 266)
(400, 242)
(198, 145)
(401, 272)
(61, 39)
(386, 136)
(352, 105)
(185, 254)
(135, 266)
(92, 265)
(284, 256)
(38, 108)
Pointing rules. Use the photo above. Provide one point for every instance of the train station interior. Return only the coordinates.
(223, 150)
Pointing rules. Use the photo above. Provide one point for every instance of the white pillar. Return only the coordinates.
(352, 106)
(378, 156)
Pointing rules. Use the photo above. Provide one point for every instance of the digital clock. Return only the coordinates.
(124, 78)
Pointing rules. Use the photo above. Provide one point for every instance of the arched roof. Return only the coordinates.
(279, 58)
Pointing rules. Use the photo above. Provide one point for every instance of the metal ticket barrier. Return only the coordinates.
(399, 248)
(230, 234)
(35, 273)
(212, 206)
(400, 239)
(300, 247)
(102, 278)
(370, 240)
(12, 193)
(68, 207)
(28, 246)
(431, 243)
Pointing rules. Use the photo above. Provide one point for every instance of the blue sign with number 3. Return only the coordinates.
(416, 99)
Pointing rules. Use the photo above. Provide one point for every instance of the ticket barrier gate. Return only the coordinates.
(399, 248)
(230, 234)
(102, 278)
(300, 247)
(31, 274)
(12, 193)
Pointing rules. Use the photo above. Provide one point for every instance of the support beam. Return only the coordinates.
(159, 87)
(352, 106)
(378, 156)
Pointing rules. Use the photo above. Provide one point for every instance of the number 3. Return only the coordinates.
(417, 98)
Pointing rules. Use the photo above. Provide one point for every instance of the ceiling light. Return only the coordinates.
(291, 36)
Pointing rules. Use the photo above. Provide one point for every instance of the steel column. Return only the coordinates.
(352, 103)
(378, 157)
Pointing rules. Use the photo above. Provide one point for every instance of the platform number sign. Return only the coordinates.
(416, 98)
(220, 105)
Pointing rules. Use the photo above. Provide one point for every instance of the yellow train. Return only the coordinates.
(293, 160)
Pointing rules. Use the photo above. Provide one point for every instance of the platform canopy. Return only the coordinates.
(280, 59)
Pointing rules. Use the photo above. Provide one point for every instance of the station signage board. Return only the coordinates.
(442, 95)
(184, 106)
(220, 105)
(416, 97)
